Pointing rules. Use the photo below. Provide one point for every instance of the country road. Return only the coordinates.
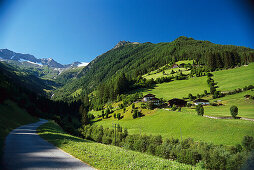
(25, 149)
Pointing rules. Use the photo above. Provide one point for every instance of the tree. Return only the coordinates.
(205, 92)
(190, 96)
(107, 112)
(118, 116)
(234, 111)
(133, 106)
(84, 116)
(200, 110)
(135, 114)
(174, 108)
(248, 142)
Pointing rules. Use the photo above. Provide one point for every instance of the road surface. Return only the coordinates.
(25, 149)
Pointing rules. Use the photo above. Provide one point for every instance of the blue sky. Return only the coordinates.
(80, 30)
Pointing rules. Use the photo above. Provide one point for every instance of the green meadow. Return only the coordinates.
(186, 124)
(245, 106)
(102, 156)
(227, 80)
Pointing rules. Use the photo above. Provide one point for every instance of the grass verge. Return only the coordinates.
(104, 156)
(11, 117)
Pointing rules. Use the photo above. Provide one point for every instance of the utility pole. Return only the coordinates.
(181, 134)
(114, 125)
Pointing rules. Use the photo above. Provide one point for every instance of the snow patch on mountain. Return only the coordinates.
(23, 60)
(83, 64)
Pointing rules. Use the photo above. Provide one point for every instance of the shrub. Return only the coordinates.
(233, 111)
(205, 92)
(174, 108)
(151, 149)
(135, 114)
(200, 110)
(118, 116)
(248, 143)
(133, 106)
(143, 106)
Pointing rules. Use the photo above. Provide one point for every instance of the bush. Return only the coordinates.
(200, 110)
(233, 111)
(189, 104)
(118, 116)
(135, 114)
(174, 108)
(248, 143)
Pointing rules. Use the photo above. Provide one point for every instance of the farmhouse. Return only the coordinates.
(201, 101)
(155, 101)
(148, 97)
(247, 96)
(175, 66)
(177, 102)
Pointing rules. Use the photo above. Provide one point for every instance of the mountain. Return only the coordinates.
(122, 43)
(6, 54)
(31, 61)
(17, 78)
(136, 59)
(43, 68)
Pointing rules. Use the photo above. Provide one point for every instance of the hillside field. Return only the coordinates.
(227, 80)
(186, 124)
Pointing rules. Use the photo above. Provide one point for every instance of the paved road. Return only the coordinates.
(25, 149)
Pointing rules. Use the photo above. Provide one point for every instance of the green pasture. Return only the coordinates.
(227, 80)
(245, 106)
(186, 124)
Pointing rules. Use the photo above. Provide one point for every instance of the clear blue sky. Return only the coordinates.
(80, 30)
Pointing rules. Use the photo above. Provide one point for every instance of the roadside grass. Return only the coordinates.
(11, 117)
(103, 156)
(186, 124)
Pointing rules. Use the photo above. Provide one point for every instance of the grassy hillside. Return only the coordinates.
(227, 80)
(234, 78)
(11, 117)
(138, 59)
(103, 156)
(186, 124)
(245, 106)
(10, 75)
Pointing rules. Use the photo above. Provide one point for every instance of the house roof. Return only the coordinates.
(201, 100)
(149, 95)
(155, 99)
(176, 100)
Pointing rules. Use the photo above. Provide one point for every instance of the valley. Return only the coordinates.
(105, 103)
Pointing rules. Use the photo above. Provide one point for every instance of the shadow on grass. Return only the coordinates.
(57, 136)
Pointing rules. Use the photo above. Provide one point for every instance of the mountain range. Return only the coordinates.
(30, 60)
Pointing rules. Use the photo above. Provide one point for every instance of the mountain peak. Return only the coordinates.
(121, 43)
